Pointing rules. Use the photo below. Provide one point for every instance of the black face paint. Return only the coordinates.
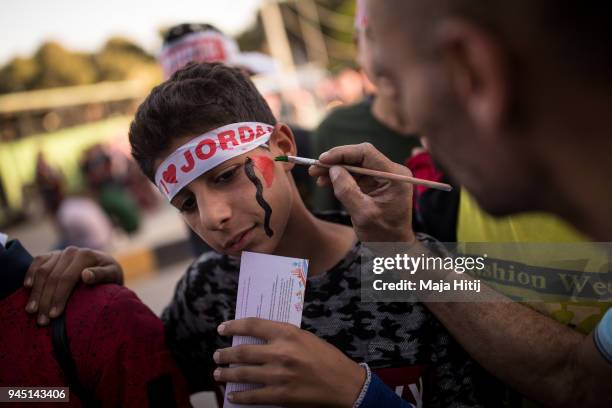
(250, 172)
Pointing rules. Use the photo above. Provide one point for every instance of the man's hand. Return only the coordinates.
(296, 368)
(381, 210)
(53, 276)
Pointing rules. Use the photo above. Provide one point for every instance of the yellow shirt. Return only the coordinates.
(475, 226)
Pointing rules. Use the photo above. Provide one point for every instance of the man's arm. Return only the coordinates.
(540, 357)
(536, 355)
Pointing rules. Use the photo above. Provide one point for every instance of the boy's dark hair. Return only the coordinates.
(197, 98)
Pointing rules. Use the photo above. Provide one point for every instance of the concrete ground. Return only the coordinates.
(156, 291)
(160, 226)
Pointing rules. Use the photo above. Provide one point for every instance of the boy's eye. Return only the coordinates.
(188, 204)
(225, 176)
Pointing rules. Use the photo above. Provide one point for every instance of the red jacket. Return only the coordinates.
(116, 341)
(435, 211)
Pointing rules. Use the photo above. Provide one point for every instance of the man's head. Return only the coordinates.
(385, 103)
(196, 42)
(220, 204)
(485, 82)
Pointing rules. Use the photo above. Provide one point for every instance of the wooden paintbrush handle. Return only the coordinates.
(392, 176)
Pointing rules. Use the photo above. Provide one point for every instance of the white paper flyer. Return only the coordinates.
(269, 287)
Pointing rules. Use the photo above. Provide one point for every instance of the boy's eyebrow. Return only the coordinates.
(179, 195)
(221, 167)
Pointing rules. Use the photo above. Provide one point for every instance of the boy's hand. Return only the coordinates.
(53, 276)
(296, 368)
(381, 210)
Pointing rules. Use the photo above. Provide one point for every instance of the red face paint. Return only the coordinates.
(265, 165)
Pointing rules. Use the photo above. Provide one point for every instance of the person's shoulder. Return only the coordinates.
(208, 279)
(343, 125)
(111, 332)
(89, 303)
(209, 266)
(345, 113)
(111, 314)
(209, 258)
(99, 296)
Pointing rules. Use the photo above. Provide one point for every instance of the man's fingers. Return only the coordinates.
(69, 277)
(244, 375)
(39, 277)
(317, 171)
(101, 274)
(52, 282)
(361, 155)
(351, 154)
(347, 190)
(324, 181)
(267, 395)
(95, 267)
(36, 263)
(54, 276)
(58, 299)
(254, 327)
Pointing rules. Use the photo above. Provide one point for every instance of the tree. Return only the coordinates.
(18, 75)
(60, 67)
(336, 18)
(54, 66)
(121, 59)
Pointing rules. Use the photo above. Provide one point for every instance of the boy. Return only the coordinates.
(207, 139)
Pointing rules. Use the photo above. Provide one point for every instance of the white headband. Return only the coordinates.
(206, 152)
(203, 46)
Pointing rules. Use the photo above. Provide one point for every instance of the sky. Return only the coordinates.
(84, 25)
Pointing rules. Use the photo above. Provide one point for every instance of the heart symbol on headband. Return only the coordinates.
(170, 174)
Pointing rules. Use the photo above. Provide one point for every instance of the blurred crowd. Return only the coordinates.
(114, 196)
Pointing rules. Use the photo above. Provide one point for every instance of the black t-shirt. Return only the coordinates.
(402, 342)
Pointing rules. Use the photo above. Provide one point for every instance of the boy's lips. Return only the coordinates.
(239, 240)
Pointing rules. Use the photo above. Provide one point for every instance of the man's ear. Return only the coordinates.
(479, 71)
(282, 143)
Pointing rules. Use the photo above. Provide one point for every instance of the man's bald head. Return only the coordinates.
(493, 85)
(574, 35)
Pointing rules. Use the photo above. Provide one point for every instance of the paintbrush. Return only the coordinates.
(367, 172)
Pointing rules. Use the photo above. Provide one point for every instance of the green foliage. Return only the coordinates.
(253, 38)
(54, 66)
(60, 67)
(121, 59)
(336, 18)
(18, 75)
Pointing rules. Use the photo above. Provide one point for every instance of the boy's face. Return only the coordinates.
(222, 206)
